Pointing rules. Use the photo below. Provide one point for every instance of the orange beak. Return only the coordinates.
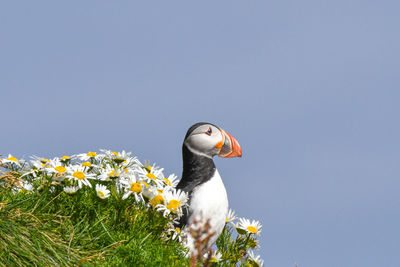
(229, 146)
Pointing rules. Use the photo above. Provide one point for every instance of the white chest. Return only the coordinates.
(210, 202)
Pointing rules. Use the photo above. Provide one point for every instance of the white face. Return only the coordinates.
(203, 140)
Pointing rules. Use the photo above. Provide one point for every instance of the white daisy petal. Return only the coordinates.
(245, 226)
(102, 191)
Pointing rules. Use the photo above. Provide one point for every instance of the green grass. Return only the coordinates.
(58, 229)
(48, 227)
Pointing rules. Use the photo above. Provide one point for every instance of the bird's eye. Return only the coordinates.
(209, 131)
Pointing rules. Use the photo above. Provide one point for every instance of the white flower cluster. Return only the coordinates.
(249, 228)
(105, 172)
(117, 174)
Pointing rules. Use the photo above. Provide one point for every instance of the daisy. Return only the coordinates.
(231, 217)
(147, 166)
(132, 185)
(25, 187)
(78, 173)
(86, 164)
(131, 162)
(11, 159)
(171, 181)
(153, 194)
(109, 172)
(39, 165)
(39, 162)
(151, 176)
(176, 234)
(153, 172)
(56, 167)
(88, 156)
(154, 177)
(90, 166)
(127, 171)
(149, 190)
(108, 153)
(31, 171)
(158, 172)
(70, 189)
(115, 156)
(215, 256)
(66, 159)
(174, 200)
(245, 226)
(158, 199)
(254, 260)
(102, 191)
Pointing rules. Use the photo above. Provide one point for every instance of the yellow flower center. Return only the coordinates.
(126, 170)
(136, 188)
(100, 193)
(252, 229)
(148, 168)
(145, 184)
(60, 169)
(160, 191)
(114, 153)
(178, 230)
(12, 158)
(173, 204)
(168, 182)
(91, 154)
(23, 191)
(65, 157)
(79, 175)
(86, 164)
(151, 176)
(44, 161)
(213, 259)
(157, 200)
(113, 173)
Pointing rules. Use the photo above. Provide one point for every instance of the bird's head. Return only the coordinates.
(209, 140)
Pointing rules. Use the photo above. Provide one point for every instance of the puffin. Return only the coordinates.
(208, 200)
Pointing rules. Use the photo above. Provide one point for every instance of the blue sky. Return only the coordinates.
(310, 89)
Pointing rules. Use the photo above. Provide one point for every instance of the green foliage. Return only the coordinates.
(44, 224)
(234, 250)
(53, 228)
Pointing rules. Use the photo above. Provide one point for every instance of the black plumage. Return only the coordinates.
(197, 169)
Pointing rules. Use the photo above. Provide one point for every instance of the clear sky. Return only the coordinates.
(310, 89)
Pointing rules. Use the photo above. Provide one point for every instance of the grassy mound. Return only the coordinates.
(104, 210)
(58, 229)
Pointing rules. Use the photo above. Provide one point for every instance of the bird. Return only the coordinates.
(208, 200)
